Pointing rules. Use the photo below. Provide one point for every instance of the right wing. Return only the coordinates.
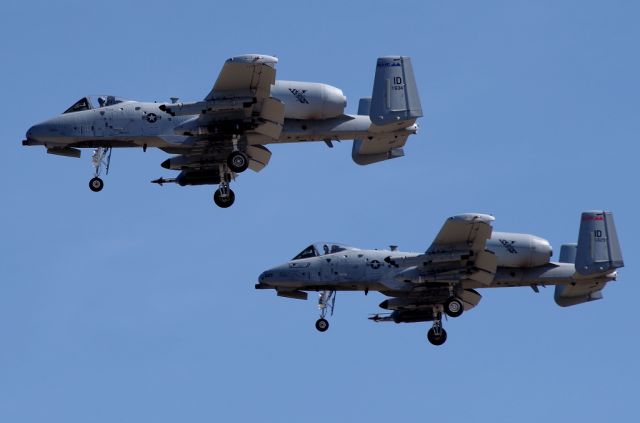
(457, 253)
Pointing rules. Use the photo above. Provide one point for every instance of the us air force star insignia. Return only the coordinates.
(152, 117)
(375, 264)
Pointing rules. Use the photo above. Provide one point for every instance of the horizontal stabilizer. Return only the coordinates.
(378, 147)
(569, 295)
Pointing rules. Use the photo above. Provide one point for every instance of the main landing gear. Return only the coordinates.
(326, 302)
(453, 307)
(101, 157)
(437, 335)
(224, 196)
(237, 162)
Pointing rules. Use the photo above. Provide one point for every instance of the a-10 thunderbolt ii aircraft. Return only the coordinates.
(226, 133)
(465, 255)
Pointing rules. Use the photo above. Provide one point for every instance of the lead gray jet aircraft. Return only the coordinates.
(465, 255)
(221, 136)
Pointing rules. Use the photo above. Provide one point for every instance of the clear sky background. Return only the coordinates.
(137, 304)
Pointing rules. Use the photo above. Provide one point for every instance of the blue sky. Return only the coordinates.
(137, 304)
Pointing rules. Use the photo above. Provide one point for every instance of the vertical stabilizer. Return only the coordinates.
(598, 247)
(395, 94)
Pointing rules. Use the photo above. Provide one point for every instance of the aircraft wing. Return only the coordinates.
(237, 114)
(245, 76)
(463, 231)
(239, 104)
(457, 253)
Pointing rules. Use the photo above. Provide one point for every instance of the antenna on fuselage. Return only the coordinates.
(174, 100)
(393, 247)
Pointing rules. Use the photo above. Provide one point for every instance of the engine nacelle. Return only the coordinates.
(519, 250)
(309, 100)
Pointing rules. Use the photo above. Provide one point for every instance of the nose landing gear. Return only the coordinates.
(96, 184)
(101, 157)
(326, 302)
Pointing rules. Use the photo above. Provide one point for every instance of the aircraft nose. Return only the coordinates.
(31, 132)
(265, 277)
(35, 134)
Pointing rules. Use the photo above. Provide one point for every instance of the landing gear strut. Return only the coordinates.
(326, 301)
(101, 157)
(224, 196)
(437, 335)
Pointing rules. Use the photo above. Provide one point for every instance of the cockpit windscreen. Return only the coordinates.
(94, 102)
(320, 249)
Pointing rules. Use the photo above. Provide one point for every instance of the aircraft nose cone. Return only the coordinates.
(31, 136)
(31, 132)
(265, 277)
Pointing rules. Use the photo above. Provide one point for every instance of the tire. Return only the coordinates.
(453, 307)
(322, 325)
(238, 162)
(437, 339)
(223, 202)
(96, 184)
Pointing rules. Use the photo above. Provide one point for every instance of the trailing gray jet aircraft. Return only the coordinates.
(221, 136)
(465, 255)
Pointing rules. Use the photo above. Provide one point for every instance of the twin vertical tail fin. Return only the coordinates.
(393, 107)
(395, 93)
(596, 256)
(598, 250)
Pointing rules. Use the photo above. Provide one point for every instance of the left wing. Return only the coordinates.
(250, 75)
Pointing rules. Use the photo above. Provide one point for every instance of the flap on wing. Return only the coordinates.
(272, 118)
(250, 74)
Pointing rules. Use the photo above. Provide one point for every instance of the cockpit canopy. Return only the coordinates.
(94, 102)
(322, 248)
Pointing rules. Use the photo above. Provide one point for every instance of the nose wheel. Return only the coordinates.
(96, 184)
(322, 324)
